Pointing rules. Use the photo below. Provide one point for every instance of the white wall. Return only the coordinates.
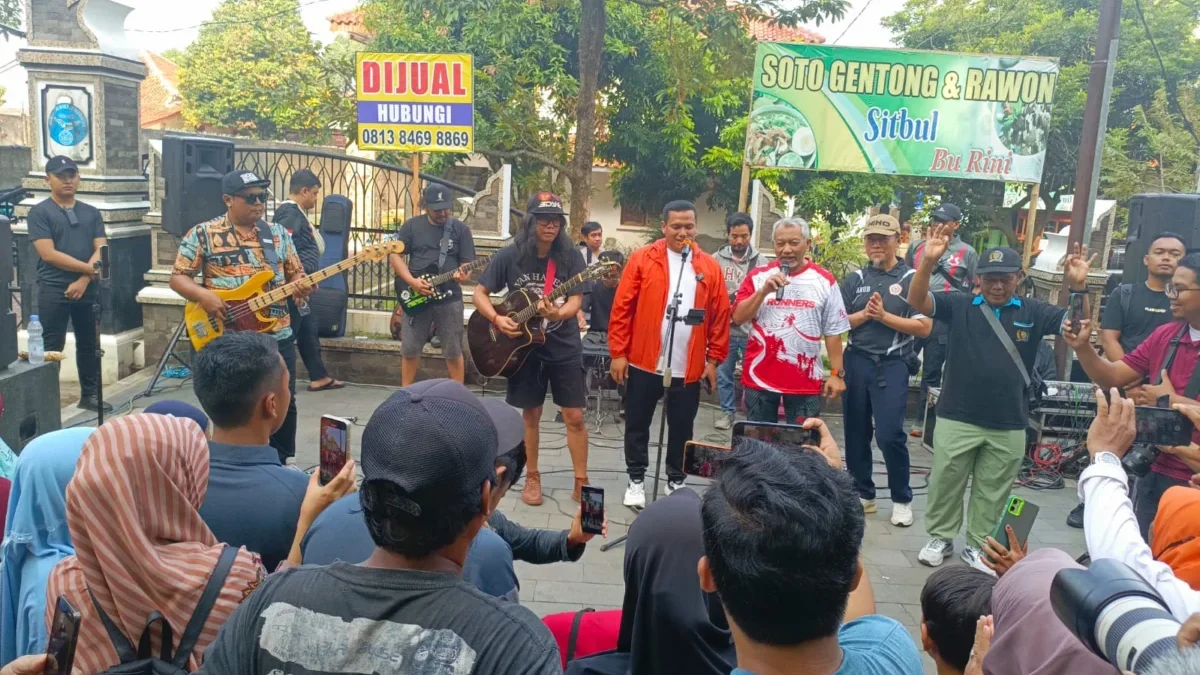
(606, 211)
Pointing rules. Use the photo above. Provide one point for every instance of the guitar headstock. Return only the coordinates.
(600, 270)
(379, 252)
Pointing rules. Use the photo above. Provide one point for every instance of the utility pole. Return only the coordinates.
(1087, 174)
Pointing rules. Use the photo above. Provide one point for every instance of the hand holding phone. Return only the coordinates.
(808, 434)
(703, 459)
(1077, 314)
(64, 634)
(591, 505)
(335, 446)
(1013, 529)
(1162, 426)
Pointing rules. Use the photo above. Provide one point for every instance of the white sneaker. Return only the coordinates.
(635, 494)
(672, 486)
(868, 505)
(902, 514)
(974, 558)
(724, 422)
(935, 551)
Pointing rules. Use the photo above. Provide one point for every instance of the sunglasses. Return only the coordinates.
(260, 198)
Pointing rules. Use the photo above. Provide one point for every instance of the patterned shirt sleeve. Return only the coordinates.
(189, 262)
(287, 253)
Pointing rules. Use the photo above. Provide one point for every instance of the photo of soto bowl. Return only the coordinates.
(779, 135)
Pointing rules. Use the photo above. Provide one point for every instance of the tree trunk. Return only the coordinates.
(591, 53)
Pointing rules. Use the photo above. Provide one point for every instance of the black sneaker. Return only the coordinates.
(1075, 518)
(91, 403)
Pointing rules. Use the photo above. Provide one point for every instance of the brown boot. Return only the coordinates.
(577, 493)
(532, 494)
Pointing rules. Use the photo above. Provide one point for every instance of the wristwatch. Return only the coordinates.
(1106, 458)
(837, 372)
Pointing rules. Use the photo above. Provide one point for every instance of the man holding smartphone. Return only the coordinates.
(67, 235)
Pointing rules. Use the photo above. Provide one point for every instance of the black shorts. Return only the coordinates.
(527, 388)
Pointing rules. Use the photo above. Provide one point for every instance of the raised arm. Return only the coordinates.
(918, 291)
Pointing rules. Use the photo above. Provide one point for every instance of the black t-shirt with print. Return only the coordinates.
(507, 270)
(1136, 311)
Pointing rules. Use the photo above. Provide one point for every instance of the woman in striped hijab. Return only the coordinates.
(140, 544)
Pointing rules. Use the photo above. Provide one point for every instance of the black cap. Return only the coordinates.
(59, 164)
(437, 435)
(546, 203)
(947, 213)
(236, 181)
(437, 197)
(999, 260)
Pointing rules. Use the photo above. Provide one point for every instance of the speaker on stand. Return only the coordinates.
(192, 172)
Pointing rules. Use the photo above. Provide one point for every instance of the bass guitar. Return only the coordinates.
(249, 305)
(494, 352)
(414, 303)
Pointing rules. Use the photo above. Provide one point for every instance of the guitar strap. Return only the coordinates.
(266, 239)
(551, 270)
(444, 246)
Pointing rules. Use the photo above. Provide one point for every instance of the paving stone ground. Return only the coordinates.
(596, 580)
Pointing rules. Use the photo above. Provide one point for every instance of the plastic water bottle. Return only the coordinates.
(37, 348)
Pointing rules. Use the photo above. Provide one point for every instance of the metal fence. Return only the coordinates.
(379, 191)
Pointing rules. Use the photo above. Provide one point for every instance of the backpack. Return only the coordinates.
(142, 662)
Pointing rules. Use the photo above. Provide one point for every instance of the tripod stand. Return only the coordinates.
(694, 317)
(103, 275)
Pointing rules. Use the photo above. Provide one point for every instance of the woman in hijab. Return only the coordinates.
(140, 544)
(668, 625)
(1029, 639)
(35, 538)
(180, 409)
(1175, 534)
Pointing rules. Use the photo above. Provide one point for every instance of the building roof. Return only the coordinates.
(351, 23)
(160, 98)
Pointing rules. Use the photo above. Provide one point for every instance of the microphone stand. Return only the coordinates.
(673, 317)
(101, 268)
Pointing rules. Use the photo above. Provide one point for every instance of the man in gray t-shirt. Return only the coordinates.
(428, 462)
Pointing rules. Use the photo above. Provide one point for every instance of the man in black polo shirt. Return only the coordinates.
(882, 330)
(435, 243)
(67, 235)
(984, 406)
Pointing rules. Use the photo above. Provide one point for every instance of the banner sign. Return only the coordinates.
(416, 102)
(900, 112)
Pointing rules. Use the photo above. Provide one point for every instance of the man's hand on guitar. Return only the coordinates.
(507, 326)
(212, 304)
(460, 275)
(549, 311)
(619, 370)
(421, 286)
(304, 287)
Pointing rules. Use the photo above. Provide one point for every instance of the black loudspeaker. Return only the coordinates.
(192, 172)
(1151, 215)
(31, 405)
(8, 319)
(329, 302)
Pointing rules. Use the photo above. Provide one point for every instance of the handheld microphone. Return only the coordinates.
(687, 248)
(783, 267)
(105, 270)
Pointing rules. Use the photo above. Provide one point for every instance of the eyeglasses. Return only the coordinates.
(552, 224)
(1172, 291)
(260, 198)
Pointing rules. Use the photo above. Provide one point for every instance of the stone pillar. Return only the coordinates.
(84, 79)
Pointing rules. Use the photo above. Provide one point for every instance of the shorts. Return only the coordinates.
(527, 388)
(444, 319)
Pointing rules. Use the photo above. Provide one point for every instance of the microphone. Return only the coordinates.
(783, 267)
(687, 248)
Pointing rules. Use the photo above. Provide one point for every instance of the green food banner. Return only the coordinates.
(900, 112)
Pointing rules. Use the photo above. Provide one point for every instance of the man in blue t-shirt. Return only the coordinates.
(803, 552)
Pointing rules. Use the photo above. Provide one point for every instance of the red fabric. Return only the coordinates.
(635, 324)
(551, 269)
(597, 632)
(5, 491)
(1147, 360)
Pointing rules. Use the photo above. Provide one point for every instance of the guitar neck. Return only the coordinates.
(565, 288)
(447, 276)
(286, 291)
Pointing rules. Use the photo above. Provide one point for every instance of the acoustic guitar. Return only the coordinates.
(414, 303)
(249, 305)
(494, 352)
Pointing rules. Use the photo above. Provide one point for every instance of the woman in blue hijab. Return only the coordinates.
(35, 538)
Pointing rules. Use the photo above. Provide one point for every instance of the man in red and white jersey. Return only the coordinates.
(793, 305)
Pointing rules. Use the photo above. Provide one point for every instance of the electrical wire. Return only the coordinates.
(203, 24)
(852, 22)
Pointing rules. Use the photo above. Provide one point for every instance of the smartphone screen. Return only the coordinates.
(1162, 426)
(790, 436)
(335, 446)
(702, 459)
(1076, 311)
(64, 633)
(592, 504)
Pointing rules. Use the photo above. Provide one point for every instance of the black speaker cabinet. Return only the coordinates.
(192, 172)
(1153, 214)
(31, 405)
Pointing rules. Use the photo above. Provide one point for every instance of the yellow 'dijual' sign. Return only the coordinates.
(416, 102)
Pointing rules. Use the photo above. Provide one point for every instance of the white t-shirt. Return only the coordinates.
(683, 332)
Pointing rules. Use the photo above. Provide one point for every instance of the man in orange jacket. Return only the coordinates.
(638, 332)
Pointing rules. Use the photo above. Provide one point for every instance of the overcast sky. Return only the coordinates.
(866, 31)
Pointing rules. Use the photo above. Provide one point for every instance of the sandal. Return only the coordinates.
(333, 384)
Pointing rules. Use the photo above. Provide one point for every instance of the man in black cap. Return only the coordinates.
(954, 271)
(67, 235)
(540, 258)
(428, 464)
(984, 407)
(435, 243)
(228, 250)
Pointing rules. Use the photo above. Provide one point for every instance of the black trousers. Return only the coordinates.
(284, 440)
(643, 390)
(54, 311)
(305, 330)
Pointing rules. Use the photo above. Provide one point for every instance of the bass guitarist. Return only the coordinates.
(435, 243)
(226, 252)
(540, 258)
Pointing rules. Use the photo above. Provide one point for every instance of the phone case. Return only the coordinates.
(1020, 514)
(598, 529)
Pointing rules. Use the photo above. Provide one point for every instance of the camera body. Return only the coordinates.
(1138, 460)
